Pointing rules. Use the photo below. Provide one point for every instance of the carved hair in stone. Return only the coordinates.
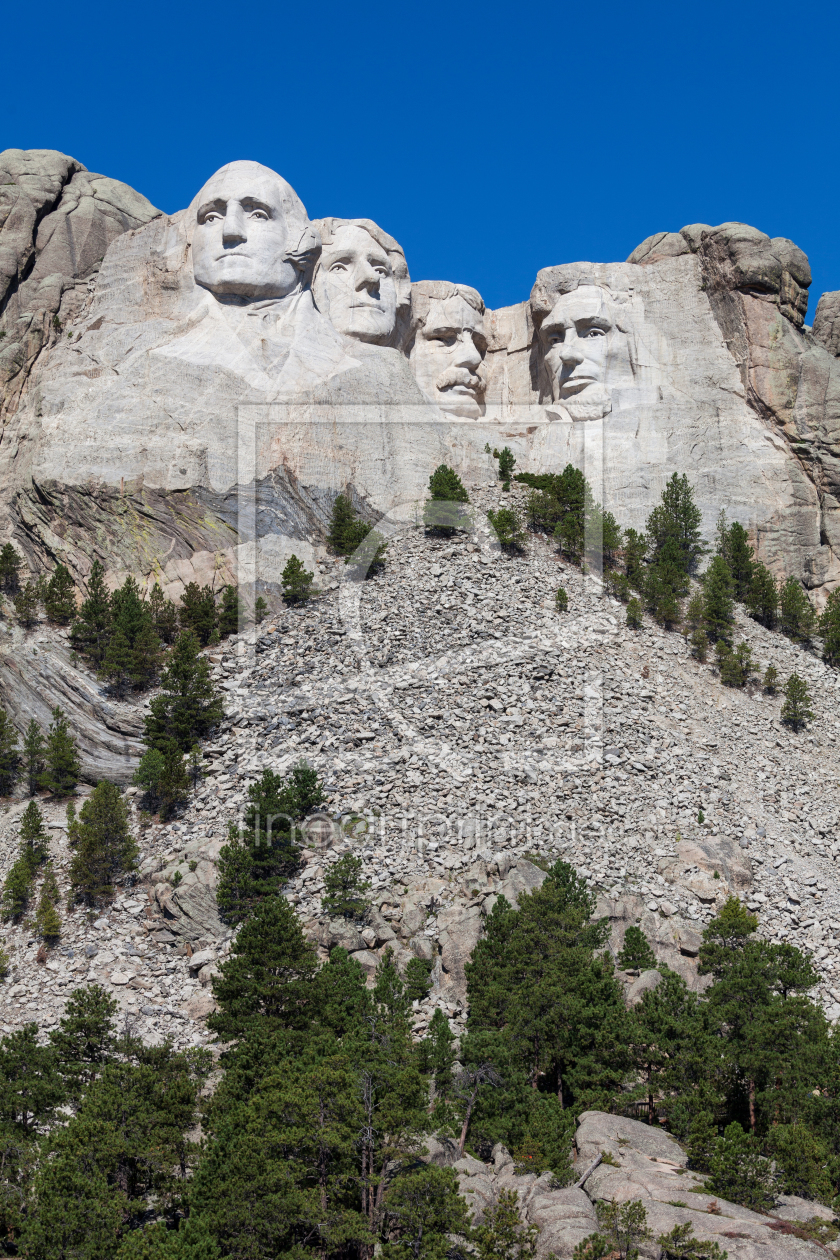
(251, 238)
(361, 281)
(447, 346)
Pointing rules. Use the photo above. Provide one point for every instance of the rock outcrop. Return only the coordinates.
(57, 220)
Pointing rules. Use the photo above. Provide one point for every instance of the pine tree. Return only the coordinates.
(260, 610)
(267, 979)
(677, 519)
(345, 890)
(232, 612)
(682, 1244)
(635, 551)
(502, 1234)
(739, 1172)
(198, 612)
(796, 710)
(636, 953)
(60, 597)
(296, 581)
(164, 615)
(104, 847)
(33, 756)
(146, 657)
(718, 607)
(26, 605)
(47, 918)
(347, 529)
(829, 626)
(424, 1210)
(118, 664)
(85, 1039)
(10, 759)
(762, 598)
(736, 667)
(254, 863)
(442, 512)
(797, 618)
(634, 617)
(61, 754)
(188, 705)
(507, 463)
(10, 566)
(89, 633)
(561, 600)
(34, 844)
(770, 680)
(507, 524)
(174, 783)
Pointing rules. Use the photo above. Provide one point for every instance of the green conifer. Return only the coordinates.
(796, 710)
(33, 756)
(10, 759)
(797, 618)
(676, 520)
(164, 615)
(198, 612)
(635, 618)
(62, 769)
(118, 665)
(10, 566)
(296, 581)
(345, 891)
(104, 847)
(260, 610)
(231, 613)
(188, 704)
(561, 600)
(718, 606)
(762, 597)
(829, 626)
(146, 657)
(636, 953)
(26, 605)
(770, 681)
(347, 529)
(443, 512)
(60, 596)
(266, 982)
(507, 524)
(89, 633)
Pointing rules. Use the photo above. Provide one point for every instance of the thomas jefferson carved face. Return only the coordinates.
(354, 286)
(448, 350)
(576, 340)
(244, 234)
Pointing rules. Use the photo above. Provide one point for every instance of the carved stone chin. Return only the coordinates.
(592, 404)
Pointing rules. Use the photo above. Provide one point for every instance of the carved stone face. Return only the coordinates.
(354, 286)
(241, 236)
(576, 340)
(448, 350)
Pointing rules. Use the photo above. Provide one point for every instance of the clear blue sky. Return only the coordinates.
(490, 140)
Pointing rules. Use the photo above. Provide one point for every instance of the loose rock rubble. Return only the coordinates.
(467, 735)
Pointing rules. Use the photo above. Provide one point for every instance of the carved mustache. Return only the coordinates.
(459, 376)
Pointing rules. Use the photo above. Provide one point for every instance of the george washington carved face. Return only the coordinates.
(250, 228)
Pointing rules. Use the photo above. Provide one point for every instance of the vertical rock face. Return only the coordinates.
(57, 220)
(827, 323)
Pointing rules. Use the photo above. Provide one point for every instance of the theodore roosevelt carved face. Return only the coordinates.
(448, 346)
(252, 240)
(576, 338)
(357, 279)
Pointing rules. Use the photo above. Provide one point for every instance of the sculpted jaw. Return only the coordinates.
(354, 286)
(576, 337)
(241, 239)
(448, 351)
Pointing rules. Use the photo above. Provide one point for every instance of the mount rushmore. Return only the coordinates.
(177, 388)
